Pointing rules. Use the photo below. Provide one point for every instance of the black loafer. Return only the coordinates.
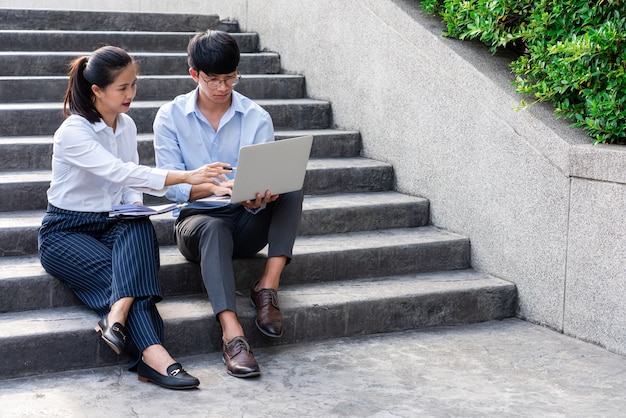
(114, 335)
(176, 378)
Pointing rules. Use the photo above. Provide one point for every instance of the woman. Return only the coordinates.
(111, 264)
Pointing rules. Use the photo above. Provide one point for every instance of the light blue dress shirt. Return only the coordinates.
(185, 140)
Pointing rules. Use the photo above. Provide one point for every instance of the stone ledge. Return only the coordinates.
(599, 162)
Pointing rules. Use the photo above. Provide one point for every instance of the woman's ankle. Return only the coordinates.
(157, 357)
(119, 310)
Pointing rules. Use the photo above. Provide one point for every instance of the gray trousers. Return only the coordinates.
(213, 236)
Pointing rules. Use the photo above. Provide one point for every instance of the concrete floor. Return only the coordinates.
(497, 369)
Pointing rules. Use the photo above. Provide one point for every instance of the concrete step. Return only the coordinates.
(324, 176)
(328, 143)
(323, 214)
(47, 63)
(72, 40)
(46, 19)
(30, 119)
(24, 285)
(54, 340)
(26, 89)
(365, 259)
(33, 152)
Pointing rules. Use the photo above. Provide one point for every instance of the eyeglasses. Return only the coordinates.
(214, 83)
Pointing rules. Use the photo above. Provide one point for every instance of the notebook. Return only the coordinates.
(277, 166)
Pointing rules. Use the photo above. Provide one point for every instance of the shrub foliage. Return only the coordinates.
(573, 53)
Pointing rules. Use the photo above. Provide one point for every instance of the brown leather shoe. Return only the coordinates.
(269, 319)
(239, 360)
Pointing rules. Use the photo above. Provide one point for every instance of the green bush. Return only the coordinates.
(573, 53)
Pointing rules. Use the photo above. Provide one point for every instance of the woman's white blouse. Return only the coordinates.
(94, 168)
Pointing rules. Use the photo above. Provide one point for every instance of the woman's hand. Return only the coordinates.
(210, 173)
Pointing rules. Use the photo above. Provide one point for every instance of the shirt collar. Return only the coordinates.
(192, 104)
(237, 104)
(99, 126)
(121, 125)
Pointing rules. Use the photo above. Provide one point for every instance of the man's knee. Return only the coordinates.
(291, 201)
(201, 225)
(199, 232)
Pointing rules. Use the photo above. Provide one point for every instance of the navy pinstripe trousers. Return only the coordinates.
(102, 260)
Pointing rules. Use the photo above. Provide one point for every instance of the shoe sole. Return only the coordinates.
(265, 332)
(251, 374)
(147, 380)
(109, 343)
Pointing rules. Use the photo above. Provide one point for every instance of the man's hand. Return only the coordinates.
(223, 188)
(260, 200)
(217, 188)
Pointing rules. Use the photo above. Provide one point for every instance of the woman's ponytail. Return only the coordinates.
(99, 69)
(79, 96)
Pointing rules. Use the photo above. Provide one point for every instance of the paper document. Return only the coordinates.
(131, 210)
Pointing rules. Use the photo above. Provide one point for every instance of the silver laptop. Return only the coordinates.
(277, 166)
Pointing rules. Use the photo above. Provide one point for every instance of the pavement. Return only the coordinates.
(507, 368)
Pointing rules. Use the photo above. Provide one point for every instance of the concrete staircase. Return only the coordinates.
(366, 258)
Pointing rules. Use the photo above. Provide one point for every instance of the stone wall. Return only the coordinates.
(542, 207)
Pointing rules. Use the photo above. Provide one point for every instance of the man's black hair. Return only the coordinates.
(213, 52)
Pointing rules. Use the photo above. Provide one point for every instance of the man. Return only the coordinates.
(210, 124)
